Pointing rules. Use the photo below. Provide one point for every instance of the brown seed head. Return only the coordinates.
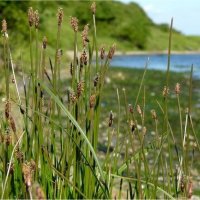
(32, 165)
(60, 16)
(102, 52)
(93, 7)
(59, 54)
(177, 88)
(4, 26)
(73, 97)
(165, 91)
(130, 108)
(36, 19)
(92, 100)
(111, 51)
(19, 155)
(182, 185)
(80, 88)
(30, 16)
(12, 124)
(7, 109)
(74, 23)
(27, 174)
(153, 114)
(84, 35)
(39, 193)
(110, 123)
(83, 59)
(44, 42)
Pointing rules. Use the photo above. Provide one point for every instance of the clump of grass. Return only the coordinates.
(53, 150)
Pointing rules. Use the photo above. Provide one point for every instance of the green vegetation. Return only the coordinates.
(158, 40)
(127, 25)
(130, 80)
(55, 138)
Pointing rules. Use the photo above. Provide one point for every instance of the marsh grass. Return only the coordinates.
(53, 151)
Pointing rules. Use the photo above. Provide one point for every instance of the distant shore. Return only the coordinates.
(164, 52)
(154, 52)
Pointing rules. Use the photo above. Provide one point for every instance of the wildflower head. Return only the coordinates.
(19, 155)
(111, 51)
(27, 174)
(59, 54)
(165, 91)
(12, 124)
(177, 88)
(4, 26)
(80, 88)
(83, 59)
(32, 165)
(36, 19)
(74, 23)
(93, 7)
(130, 108)
(60, 16)
(182, 184)
(30, 16)
(102, 52)
(92, 100)
(84, 35)
(7, 110)
(38, 192)
(72, 97)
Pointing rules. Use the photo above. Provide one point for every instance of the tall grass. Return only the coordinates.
(51, 151)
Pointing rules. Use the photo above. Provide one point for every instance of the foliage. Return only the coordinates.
(16, 16)
(132, 27)
(50, 128)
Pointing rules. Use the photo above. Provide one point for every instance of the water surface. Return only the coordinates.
(179, 62)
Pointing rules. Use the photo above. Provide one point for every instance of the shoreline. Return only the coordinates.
(70, 53)
(164, 52)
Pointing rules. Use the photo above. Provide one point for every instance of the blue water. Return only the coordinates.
(179, 62)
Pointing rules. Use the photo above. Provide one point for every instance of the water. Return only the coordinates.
(179, 62)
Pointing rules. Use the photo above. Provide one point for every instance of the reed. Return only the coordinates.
(52, 150)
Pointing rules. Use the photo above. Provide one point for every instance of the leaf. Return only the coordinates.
(75, 123)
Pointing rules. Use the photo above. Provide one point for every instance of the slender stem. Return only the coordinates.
(9, 166)
(95, 43)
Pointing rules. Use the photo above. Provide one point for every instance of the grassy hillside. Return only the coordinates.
(125, 24)
(158, 40)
